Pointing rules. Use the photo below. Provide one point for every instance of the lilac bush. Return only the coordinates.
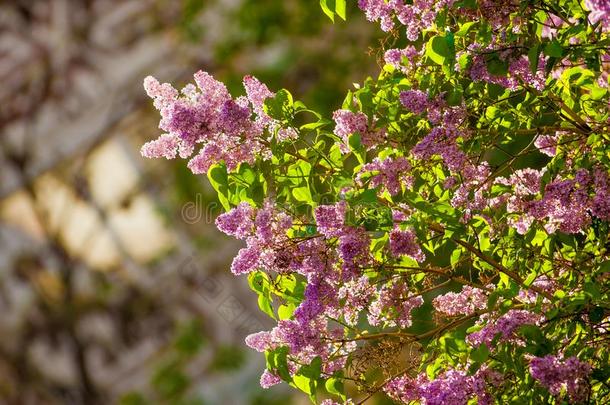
(443, 239)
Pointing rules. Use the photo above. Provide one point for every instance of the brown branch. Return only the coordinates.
(501, 268)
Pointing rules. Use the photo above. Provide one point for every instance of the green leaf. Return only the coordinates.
(335, 386)
(533, 55)
(497, 67)
(264, 303)
(279, 107)
(465, 28)
(303, 383)
(553, 49)
(438, 50)
(219, 179)
(302, 194)
(285, 311)
(340, 9)
(480, 354)
(327, 10)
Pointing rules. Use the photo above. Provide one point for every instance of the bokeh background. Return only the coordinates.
(114, 283)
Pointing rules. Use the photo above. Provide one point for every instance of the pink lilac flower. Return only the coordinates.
(453, 387)
(238, 222)
(330, 219)
(353, 249)
(405, 243)
(600, 205)
(268, 379)
(378, 10)
(320, 297)
(393, 306)
(348, 123)
(209, 117)
(306, 341)
(600, 12)
(260, 341)
(417, 16)
(518, 72)
(165, 146)
(397, 57)
(401, 213)
(556, 374)
(543, 283)
(257, 94)
(356, 295)
(415, 101)
(264, 231)
(497, 12)
(247, 260)
(404, 388)
(391, 174)
(441, 142)
(564, 204)
(469, 194)
(466, 302)
(505, 326)
(547, 144)
(526, 183)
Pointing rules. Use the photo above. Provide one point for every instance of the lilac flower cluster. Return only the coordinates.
(415, 101)
(543, 283)
(466, 302)
(348, 123)
(417, 16)
(208, 115)
(442, 142)
(390, 174)
(269, 379)
(498, 12)
(330, 219)
(600, 12)
(547, 144)
(565, 202)
(557, 374)
(397, 58)
(518, 72)
(353, 249)
(454, 387)
(353, 243)
(305, 341)
(505, 326)
(442, 139)
(405, 243)
(264, 231)
(356, 296)
(565, 205)
(393, 305)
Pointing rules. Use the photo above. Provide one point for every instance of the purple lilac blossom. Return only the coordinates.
(268, 379)
(547, 144)
(391, 174)
(556, 374)
(453, 387)
(600, 12)
(405, 243)
(208, 116)
(330, 219)
(505, 326)
(415, 101)
(393, 306)
(466, 302)
(348, 123)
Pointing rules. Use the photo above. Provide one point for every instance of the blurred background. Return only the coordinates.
(114, 283)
